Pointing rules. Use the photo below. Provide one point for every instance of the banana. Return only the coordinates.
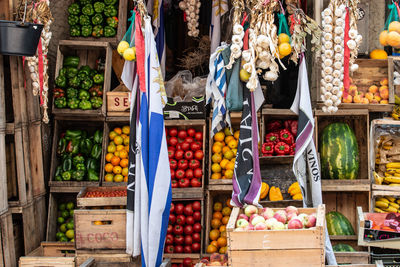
(379, 210)
(396, 100)
(392, 179)
(394, 205)
(394, 184)
(398, 201)
(393, 165)
(383, 199)
(381, 204)
(388, 174)
(395, 116)
(390, 209)
(378, 178)
(391, 199)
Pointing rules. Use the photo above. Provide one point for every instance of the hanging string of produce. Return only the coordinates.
(192, 11)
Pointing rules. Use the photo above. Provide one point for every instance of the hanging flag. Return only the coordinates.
(159, 32)
(305, 164)
(219, 8)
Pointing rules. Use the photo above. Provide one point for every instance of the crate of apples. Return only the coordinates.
(185, 152)
(117, 161)
(376, 94)
(219, 220)
(214, 260)
(224, 151)
(184, 228)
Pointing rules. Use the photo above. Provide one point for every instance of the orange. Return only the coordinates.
(222, 228)
(123, 154)
(125, 171)
(120, 147)
(383, 38)
(233, 144)
(229, 154)
(216, 223)
(216, 167)
(126, 141)
(230, 165)
(118, 130)
(124, 163)
(221, 144)
(117, 169)
(115, 160)
(214, 243)
(216, 158)
(126, 129)
(217, 206)
(225, 220)
(227, 131)
(393, 39)
(109, 177)
(112, 135)
(98, 223)
(216, 176)
(211, 249)
(109, 157)
(116, 153)
(125, 179)
(229, 138)
(109, 167)
(216, 149)
(217, 215)
(394, 26)
(224, 149)
(124, 136)
(214, 234)
(228, 174)
(127, 148)
(118, 140)
(226, 211)
(111, 148)
(236, 135)
(219, 136)
(222, 242)
(118, 178)
(228, 203)
(223, 163)
(223, 250)
(285, 49)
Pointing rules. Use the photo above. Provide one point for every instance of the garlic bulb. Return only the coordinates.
(351, 44)
(238, 29)
(191, 9)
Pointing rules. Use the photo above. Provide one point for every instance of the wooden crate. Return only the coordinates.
(118, 102)
(277, 248)
(122, 26)
(198, 125)
(395, 89)
(358, 120)
(88, 51)
(107, 258)
(7, 242)
(3, 154)
(60, 126)
(359, 257)
(82, 201)
(50, 254)
(89, 235)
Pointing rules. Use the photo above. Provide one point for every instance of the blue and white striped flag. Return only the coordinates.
(159, 31)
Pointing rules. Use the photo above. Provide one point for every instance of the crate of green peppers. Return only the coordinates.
(97, 19)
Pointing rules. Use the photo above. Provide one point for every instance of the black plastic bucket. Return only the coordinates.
(17, 39)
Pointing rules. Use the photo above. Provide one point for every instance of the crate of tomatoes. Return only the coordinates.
(102, 196)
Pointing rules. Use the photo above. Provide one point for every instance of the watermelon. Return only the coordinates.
(338, 224)
(339, 152)
(343, 248)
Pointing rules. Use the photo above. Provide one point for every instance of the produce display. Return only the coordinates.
(339, 152)
(224, 149)
(65, 222)
(114, 193)
(88, 19)
(275, 193)
(79, 156)
(186, 262)
(184, 228)
(338, 224)
(117, 162)
(343, 248)
(376, 94)
(78, 88)
(387, 204)
(391, 36)
(185, 152)
(280, 138)
(219, 220)
(214, 260)
(254, 218)
(295, 191)
(387, 161)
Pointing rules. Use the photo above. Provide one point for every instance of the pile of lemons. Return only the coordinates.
(224, 151)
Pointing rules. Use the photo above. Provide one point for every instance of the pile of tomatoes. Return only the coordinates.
(185, 157)
(114, 193)
(184, 228)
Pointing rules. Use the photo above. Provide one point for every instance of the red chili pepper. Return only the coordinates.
(282, 148)
(286, 136)
(274, 125)
(292, 149)
(268, 149)
(272, 137)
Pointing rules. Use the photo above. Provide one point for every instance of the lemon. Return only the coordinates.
(229, 154)
(122, 46)
(130, 54)
(284, 49)
(244, 75)
(227, 132)
(283, 38)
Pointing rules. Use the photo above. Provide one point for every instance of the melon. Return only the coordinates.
(338, 224)
(343, 248)
(339, 152)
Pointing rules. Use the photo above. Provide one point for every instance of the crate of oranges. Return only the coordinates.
(116, 159)
(218, 211)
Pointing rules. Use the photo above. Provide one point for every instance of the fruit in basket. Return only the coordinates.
(117, 161)
(339, 152)
(338, 224)
(224, 151)
(295, 224)
(65, 222)
(343, 248)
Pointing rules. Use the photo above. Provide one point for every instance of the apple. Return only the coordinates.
(280, 215)
(295, 224)
(278, 226)
(301, 217)
(267, 213)
(270, 222)
(243, 216)
(250, 210)
(252, 217)
(249, 227)
(310, 221)
(291, 216)
(291, 209)
(257, 219)
(261, 226)
(241, 223)
(197, 227)
(197, 215)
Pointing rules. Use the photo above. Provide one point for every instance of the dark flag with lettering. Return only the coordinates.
(247, 177)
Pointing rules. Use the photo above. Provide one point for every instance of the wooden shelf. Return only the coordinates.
(65, 189)
(276, 160)
(187, 193)
(184, 122)
(216, 183)
(343, 237)
(359, 185)
(278, 112)
(370, 107)
(220, 187)
(386, 188)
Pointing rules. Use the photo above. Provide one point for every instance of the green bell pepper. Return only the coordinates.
(110, 11)
(60, 102)
(109, 31)
(71, 61)
(86, 146)
(84, 20)
(96, 101)
(85, 2)
(61, 81)
(74, 9)
(86, 83)
(85, 105)
(92, 164)
(112, 21)
(86, 30)
(84, 95)
(63, 72)
(67, 163)
(71, 72)
(66, 176)
(93, 175)
(98, 78)
(88, 10)
(75, 31)
(72, 93)
(92, 73)
(99, 7)
(78, 159)
(96, 90)
(78, 175)
(61, 146)
(59, 170)
(97, 19)
(96, 151)
(73, 20)
(97, 31)
(85, 68)
(58, 178)
(80, 167)
(74, 82)
(110, 2)
(98, 137)
(73, 103)
(83, 72)
(73, 134)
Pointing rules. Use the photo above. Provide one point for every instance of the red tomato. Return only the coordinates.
(197, 216)
(179, 147)
(171, 152)
(195, 182)
(189, 140)
(173, 131)
(179, 174)
(182, 134)
(197, 227)
(194, 163)
(188, 210)
(169, 249)
(172, 208)
(180, 219)
(173, 164)
(183, 164)
(169, 239)
(188, 240)
(196, 205)
(172, 218)
(198, 173)
(178, 230)
(195, 146)
(191, 132)
(179, 208)
(189, 173)
(188, 230)
(174, 184)
(198, 136)
(170, 229)
(178, 249)
(196, 237)
(198, 155)
(172, 173)
(183, 183)
(179, 154)
(179, 240)
(185, 146)
(196, 247)
(187, 262)
(173, 141)
(187, 249)
(189, 220)
(188, 155)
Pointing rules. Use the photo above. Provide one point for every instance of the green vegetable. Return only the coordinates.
(86, 30)
(112, 21)
(66, 176)
(84, 20)
(110, 2)
(78, 159)
(85, 2)
(97, 31)
(98, 78)
(85, 105)
(81, 167)
(67, 163)
(75, 31)
(75, 146)
(109, 31)
(96, 90)
(62, 144)
(88, 10)
(71, 61)
(96, 101)
(58, 178)
(96, 151)
(92, 175)
(60, 102)
(61, 81)
(92, 73)
(72, 93)
(73, 20)
(73, 134)
(71, 72)
(74, 9)
(62, 72)
(86, 83)
(78, 175)
(84, 95)
(97, 19)
(74, 82)
(85, 69)
(99, 7)
(110, 11)
(92, 164)
(98, 137)
(59, 170)
(86, 146)
(73, 103)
